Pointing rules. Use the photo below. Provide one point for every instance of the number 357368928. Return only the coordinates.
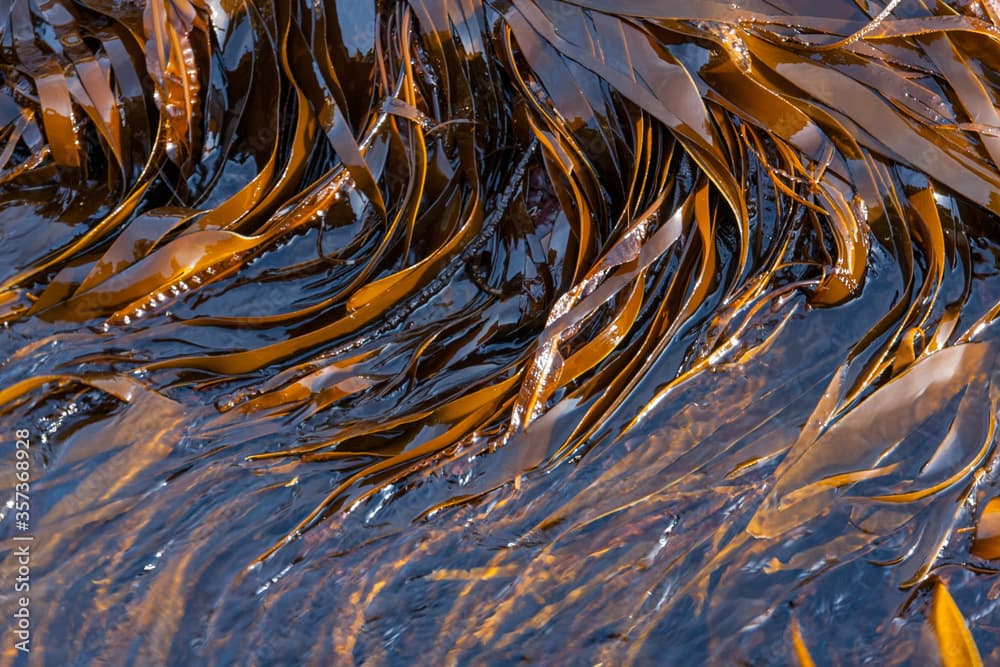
(22, 473)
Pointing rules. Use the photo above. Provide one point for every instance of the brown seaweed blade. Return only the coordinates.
(799, 646)
(169, 26)
(987, 544)
(953, 636)
(535, 330)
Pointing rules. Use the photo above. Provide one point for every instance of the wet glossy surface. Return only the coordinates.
(545, 331)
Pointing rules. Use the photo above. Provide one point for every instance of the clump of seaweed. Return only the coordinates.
(637, 324)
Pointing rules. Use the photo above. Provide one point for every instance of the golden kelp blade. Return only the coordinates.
(799, 645)
(859, 445)
(169, 26)
(958, 649)
(475, 332)
(987, 543)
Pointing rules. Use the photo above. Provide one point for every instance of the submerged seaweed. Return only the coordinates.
(523, 330)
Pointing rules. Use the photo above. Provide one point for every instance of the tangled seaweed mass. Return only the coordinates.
(461, 332)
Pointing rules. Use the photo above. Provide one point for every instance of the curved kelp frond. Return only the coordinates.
(520, 329)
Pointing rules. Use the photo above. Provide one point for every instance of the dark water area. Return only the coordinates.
(451, 332)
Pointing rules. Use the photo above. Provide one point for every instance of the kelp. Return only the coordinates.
(522, 330)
